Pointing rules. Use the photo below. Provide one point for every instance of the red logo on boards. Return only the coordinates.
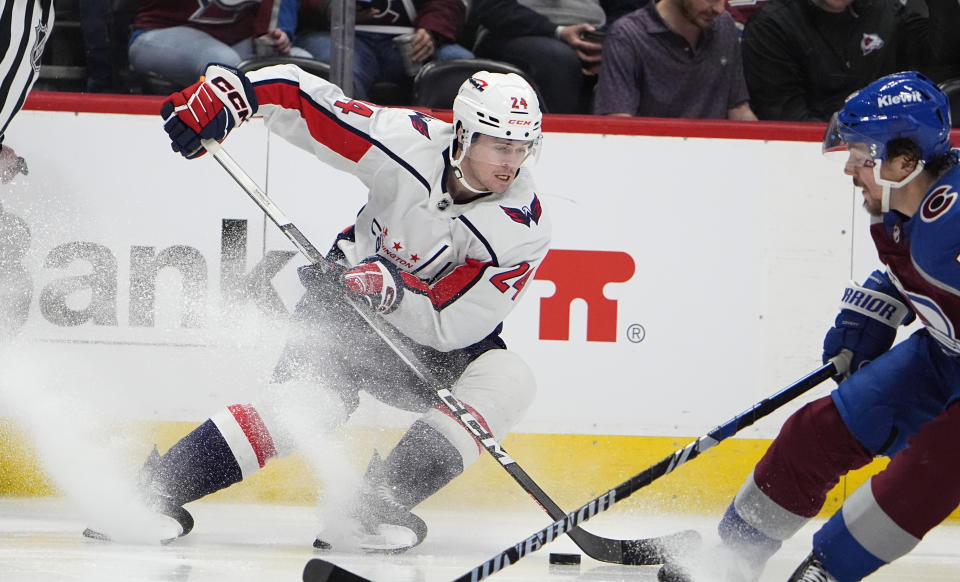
(582, 275)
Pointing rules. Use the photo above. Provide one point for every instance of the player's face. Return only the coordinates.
(860, 166)
(702, 13)
(491, 163)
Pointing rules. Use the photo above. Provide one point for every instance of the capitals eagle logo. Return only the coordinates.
(526, 214)
(419, 122)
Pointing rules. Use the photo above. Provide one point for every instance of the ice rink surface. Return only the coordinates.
(40, 541)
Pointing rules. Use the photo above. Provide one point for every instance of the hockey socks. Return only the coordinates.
(229, 447)
(197, 465)
(421, 464)
(753, 545)
(223, 450)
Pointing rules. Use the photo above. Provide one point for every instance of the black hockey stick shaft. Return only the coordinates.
(639, 551)
(318, 570)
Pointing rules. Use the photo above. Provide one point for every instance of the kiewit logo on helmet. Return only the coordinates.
(903, 97)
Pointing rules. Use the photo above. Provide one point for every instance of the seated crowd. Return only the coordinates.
(792, 60)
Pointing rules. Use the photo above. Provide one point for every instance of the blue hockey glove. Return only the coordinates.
(221, 100)
(867, 323)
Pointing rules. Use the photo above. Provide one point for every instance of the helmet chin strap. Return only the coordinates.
(888, 185)
(455, 164)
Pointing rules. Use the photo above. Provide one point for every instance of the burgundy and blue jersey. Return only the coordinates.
(922, 255)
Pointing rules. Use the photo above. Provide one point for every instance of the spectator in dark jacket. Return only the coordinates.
(674, 58)
(551, 41)
(802, 58)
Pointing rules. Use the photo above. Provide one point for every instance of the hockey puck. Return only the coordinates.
(565, 559)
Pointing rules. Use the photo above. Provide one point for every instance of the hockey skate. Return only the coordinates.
(386, 525)
(157, 500)
(811, 570)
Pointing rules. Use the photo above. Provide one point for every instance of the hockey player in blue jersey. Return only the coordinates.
(901, 402)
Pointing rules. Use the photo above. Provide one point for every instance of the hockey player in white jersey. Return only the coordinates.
(451, 231)
(901, 402)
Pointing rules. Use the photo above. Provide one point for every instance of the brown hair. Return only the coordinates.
(936, 165)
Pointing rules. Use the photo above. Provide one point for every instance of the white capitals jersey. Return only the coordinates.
(464, 264)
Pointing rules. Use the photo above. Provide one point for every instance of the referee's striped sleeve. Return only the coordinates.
(24, 30)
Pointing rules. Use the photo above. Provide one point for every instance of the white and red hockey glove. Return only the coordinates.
(377, 281)
(221, 100)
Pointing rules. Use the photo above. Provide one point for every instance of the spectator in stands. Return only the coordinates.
(945, 21)
(434, 24)
(550, 40)
(742, 10)
(24, 31)
(105, 25)
(95, 18)
(674, 58)
(802, 58)
(176, 39)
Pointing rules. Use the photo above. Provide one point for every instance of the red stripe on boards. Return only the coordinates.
(809, 131)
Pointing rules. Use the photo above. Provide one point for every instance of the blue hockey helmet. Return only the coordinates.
(901, 105)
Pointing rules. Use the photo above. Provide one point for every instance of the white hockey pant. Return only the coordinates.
(497, 388)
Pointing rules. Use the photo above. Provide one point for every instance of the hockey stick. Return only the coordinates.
(639, 551)
(318, 570)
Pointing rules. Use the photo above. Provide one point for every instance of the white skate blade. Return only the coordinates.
(144, 528)
(390, 539)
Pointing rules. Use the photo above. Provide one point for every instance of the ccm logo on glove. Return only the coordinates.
(233, 97)
(209, 109)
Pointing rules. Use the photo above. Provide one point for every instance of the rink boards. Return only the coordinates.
(694, 270)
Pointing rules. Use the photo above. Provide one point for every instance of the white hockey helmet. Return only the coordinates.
(501, 105)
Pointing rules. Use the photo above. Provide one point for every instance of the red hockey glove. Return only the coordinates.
(376, 280)
(221, 100)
